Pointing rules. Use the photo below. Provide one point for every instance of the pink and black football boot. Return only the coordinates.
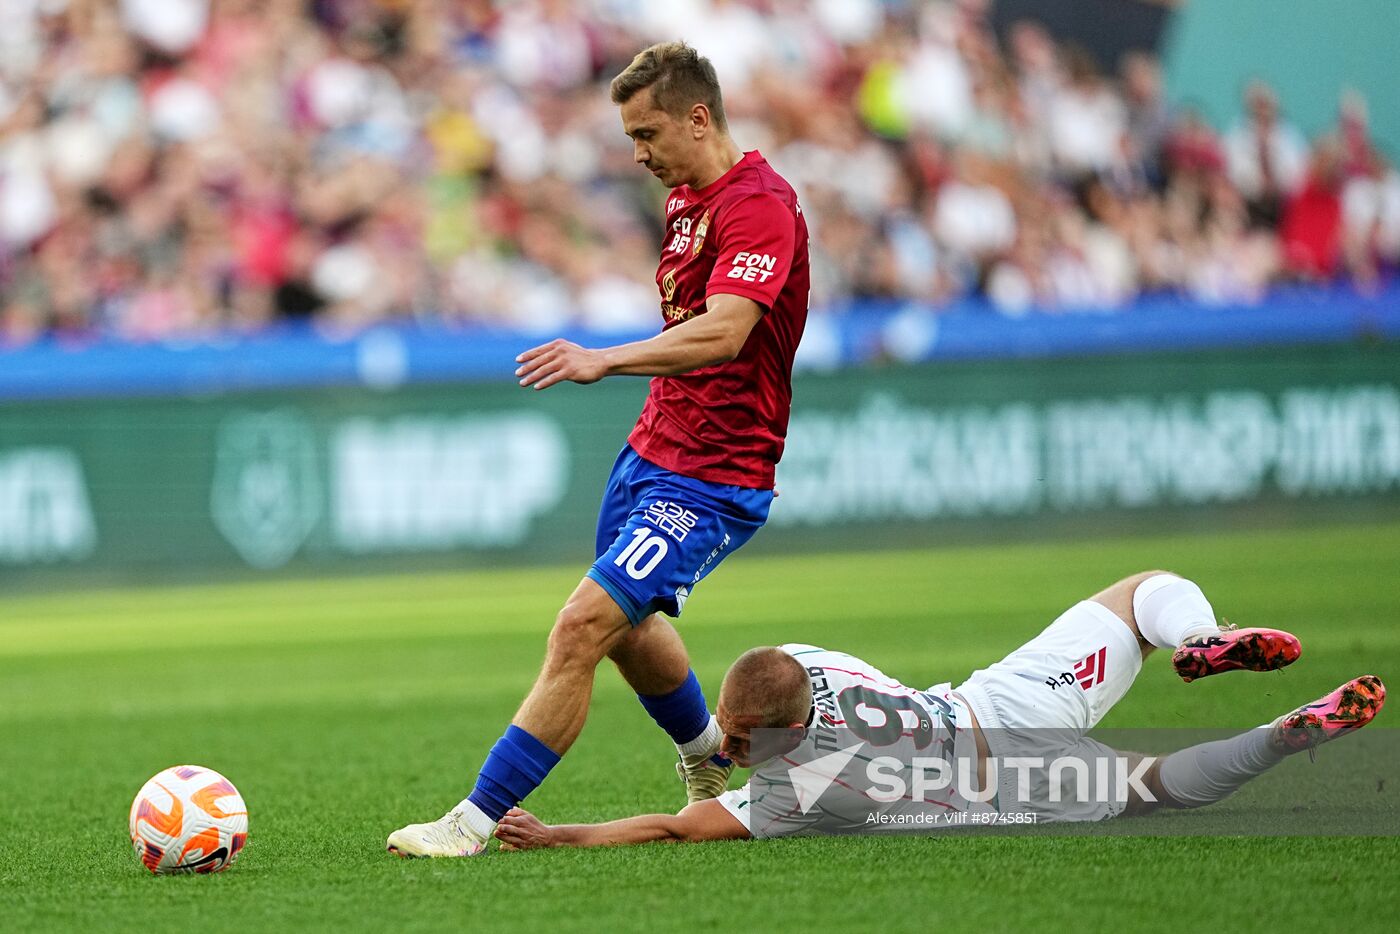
(1235, 649)
(1350, 707)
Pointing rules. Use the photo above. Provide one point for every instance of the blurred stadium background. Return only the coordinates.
(264, 267)
(1098, 285)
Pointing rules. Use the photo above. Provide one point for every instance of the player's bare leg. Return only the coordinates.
(654, 662)
(652, 658)
(587, 628)
(547, 724)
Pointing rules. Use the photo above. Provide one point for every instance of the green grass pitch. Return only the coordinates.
(344, 708)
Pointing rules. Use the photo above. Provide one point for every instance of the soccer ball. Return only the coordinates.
(188, 819)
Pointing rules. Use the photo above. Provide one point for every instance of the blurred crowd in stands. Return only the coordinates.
(171, 168)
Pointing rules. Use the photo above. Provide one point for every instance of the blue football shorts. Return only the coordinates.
(660, 534)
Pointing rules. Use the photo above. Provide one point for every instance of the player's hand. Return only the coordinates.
(521, 830)
(557, 361)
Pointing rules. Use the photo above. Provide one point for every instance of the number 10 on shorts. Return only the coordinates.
(642, 556)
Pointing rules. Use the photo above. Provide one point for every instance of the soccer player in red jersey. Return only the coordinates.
(695, 480)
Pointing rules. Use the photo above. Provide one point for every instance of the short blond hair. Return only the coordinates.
(679, 78)
(769, 684)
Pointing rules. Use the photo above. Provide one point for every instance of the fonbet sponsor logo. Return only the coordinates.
(681, 241)
(753, 267)
(382, 485)
(45, 513)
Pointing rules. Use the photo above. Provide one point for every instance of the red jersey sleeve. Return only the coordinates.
(756, 236)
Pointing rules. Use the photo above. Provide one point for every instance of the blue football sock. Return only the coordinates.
(683, 713)
(516, 766)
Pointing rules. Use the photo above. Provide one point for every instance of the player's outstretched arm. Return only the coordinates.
(704, 820)
(717, 336)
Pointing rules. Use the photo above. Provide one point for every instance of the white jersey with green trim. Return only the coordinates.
(870, 739)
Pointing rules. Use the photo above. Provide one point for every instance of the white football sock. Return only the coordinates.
(475, 819)
(1170, 609)
(704, 745)
(1210, 772)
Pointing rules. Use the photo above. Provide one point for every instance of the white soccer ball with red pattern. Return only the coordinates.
(188, 819)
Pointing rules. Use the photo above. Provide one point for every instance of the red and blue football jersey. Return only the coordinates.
(743, 234)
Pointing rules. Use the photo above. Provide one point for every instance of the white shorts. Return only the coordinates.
(1041, 699)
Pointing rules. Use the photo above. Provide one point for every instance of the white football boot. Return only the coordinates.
(704, 777)
(703, 770)
(449, 835)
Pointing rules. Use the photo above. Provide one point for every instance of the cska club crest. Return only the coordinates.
(700, 230)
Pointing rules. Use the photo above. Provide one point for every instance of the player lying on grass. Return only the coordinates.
(1041, 700)
(695, 480)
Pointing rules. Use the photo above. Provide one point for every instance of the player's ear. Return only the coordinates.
(699, 121)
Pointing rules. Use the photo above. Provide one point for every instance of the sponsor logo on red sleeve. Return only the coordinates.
(753, 267)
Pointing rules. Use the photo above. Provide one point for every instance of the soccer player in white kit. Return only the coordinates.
(1042, 699)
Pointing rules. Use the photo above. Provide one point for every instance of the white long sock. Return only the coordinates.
(704, 745)
(1170, 609)
(1210, 772)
